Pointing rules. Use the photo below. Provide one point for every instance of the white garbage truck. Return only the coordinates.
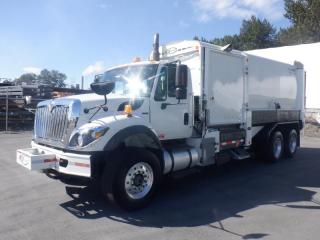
(191, 105)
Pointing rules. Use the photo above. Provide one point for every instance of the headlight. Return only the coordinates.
(87, 134)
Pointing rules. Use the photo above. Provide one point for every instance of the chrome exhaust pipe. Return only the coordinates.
(155, 52)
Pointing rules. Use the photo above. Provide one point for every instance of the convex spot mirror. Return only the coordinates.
(28, 100)
(181, 81)
(102, 88)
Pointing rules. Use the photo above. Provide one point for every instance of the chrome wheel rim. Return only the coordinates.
(293, 143)
(277, 148)
(139, 180)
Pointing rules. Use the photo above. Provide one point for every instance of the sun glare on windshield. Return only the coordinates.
(134, 81)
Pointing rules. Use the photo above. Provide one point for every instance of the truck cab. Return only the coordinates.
(151, 93)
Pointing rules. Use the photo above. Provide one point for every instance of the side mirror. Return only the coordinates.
(181, 93)
(181, 81)
(102, 88)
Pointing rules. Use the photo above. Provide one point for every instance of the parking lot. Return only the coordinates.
(242, 200)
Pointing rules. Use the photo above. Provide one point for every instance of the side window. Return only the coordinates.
(172, 81)
(162, 85)
(119, 87)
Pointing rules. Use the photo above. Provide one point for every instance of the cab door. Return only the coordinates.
(170, 117)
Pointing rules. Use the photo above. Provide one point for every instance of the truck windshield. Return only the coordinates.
(136, 80)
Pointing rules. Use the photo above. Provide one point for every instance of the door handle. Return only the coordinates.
(186, 118)
(164, 105)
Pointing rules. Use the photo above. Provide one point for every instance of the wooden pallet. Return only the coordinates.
(11, 91)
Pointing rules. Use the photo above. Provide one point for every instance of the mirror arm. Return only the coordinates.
(105, 100)
(94, 113)
(103, 106)
(164, 105)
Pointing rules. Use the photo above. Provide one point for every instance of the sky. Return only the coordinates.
(86, 37)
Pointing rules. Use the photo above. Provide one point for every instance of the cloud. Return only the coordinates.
(240, 9)
(183, 24)
(95, 68)
(34, 70)
(103, 5)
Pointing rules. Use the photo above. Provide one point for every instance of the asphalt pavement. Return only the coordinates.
(248, 199)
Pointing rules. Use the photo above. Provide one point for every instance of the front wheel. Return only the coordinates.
(139, 180)
(135, 180)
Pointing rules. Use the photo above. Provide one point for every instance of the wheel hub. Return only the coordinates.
(293, 143)
(139, 180)
(277, 148)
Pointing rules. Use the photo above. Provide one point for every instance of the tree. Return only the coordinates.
(53, 78)
(254, 34)
(228, 39)
(27, 78)
(257, 34)
(305, 18)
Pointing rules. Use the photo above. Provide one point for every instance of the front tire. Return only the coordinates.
(136, 177)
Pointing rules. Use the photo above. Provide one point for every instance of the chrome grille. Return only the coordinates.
(55, 121)
(51, 124)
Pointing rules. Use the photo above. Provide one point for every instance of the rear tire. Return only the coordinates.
(133, 180)
(275, 147)
(291, 143)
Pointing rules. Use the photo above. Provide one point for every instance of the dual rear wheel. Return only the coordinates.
(282, 144)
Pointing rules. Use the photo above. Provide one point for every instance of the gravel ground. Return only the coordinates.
(312, 130)
(242, 200)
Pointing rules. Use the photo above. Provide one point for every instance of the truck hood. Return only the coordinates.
(115, 102)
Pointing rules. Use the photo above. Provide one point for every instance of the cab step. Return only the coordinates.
(239, 154)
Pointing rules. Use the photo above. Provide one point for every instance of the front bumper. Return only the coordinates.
(68, 163)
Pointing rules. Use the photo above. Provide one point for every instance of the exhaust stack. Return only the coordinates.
(155, 56)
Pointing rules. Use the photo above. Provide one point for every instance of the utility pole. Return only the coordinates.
(7, 110)
(82, 81)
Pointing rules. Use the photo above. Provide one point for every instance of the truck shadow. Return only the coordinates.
(212, 195)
